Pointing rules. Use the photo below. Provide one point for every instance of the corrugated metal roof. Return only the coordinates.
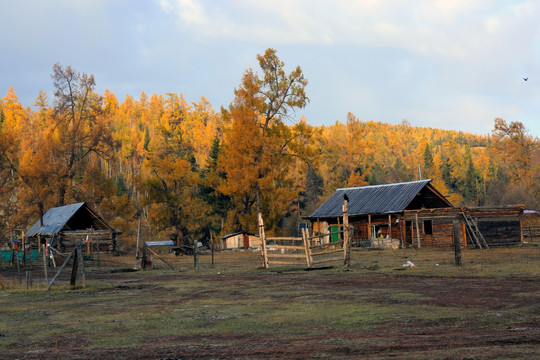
(374, 199)
(237, 233)
(54, 220)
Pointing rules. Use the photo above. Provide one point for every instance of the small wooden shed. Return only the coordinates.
(240, 240)
(64, 226)
(415, 214)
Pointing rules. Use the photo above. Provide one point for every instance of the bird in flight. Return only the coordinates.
(526, 78)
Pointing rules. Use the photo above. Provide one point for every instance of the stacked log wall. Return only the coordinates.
(442, 226)
(105, 239)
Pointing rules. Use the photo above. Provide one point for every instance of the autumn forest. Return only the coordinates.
(188, 170)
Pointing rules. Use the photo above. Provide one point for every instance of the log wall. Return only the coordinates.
(500, 225)
(105, 239)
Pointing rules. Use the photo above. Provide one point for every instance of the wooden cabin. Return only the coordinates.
(65, 226)
(414, 214)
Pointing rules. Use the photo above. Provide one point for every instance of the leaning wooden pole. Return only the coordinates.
(305, 237)
(60, 270)
(159, 257)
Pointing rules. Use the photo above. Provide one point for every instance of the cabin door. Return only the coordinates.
(408, 233)
(335, 235)
(246, 240)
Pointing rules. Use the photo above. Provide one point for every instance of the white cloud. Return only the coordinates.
(457, 63)
(191, 12)
(451, 29)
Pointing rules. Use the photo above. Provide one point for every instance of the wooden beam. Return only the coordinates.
(417, 232)
(285, 262)
(60, 270)
(284, 247)
(326, 245)
(320, 261)
(285, 238)
(295, 256)
(327, 252)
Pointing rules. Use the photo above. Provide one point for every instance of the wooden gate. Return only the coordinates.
(307, 250)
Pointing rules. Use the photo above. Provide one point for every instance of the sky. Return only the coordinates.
(454, 64)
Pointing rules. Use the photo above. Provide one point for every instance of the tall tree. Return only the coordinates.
(259, 146)
(517, 146)
(171, 177)
(79, 128)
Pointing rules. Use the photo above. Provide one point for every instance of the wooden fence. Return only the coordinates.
(306, 250)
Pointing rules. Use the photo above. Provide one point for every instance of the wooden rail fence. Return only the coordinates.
(306, 250)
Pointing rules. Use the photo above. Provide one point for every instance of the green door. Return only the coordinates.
(335, 229)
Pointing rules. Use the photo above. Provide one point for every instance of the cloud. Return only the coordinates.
(191, 12)
(451, 29)
(456, 63)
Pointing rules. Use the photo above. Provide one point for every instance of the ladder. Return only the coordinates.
(472, 228)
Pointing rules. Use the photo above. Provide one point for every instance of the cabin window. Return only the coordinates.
(373, 231)
(428, 227)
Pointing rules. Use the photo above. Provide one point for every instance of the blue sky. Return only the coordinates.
(443, 64)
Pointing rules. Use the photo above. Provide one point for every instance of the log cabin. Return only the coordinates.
(416, 214)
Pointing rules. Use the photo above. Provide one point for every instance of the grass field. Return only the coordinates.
(489, 308)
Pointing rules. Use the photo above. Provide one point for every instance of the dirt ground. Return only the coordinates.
(481, 336)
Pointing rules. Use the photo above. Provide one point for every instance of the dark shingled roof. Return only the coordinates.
(376, 199)
(57, 219)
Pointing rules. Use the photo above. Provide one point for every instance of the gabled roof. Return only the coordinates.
(69, 217)
(382, 199)
(237, 233)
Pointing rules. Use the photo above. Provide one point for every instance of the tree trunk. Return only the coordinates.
(258, 196)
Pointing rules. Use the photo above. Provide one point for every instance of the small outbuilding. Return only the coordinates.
(415, 214)
(240, 240)
(65, 226)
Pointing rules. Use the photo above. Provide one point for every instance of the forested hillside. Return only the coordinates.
(188, 170)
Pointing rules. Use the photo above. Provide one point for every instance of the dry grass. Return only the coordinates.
(235, 309)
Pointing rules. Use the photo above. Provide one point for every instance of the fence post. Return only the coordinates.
(305, 237)
(75, 269)
(346, 239)
(195, 254)
(263, 242)
(457, 244)
(212, 247)
(44, 247)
